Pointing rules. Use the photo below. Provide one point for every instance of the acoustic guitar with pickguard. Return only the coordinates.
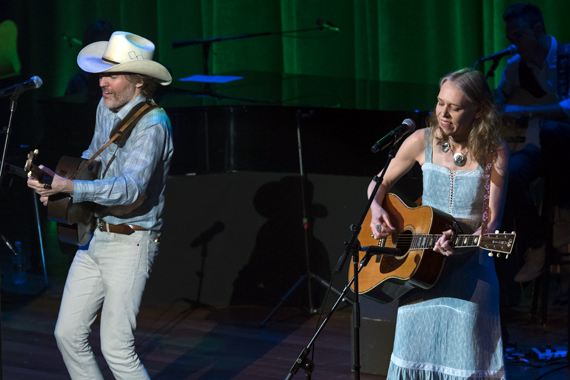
(417, 230)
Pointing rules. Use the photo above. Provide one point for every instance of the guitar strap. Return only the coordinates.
(487, 177)
(120, 133)
(563, 60)
(528, 81)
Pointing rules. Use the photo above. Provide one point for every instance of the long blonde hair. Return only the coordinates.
(485, 132)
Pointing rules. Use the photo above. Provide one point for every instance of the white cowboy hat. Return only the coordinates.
(124, 52)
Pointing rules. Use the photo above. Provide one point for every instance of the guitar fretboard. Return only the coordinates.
(427, 241)
(497, 242)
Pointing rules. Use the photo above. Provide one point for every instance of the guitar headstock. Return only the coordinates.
(31, 168)
(499, 243)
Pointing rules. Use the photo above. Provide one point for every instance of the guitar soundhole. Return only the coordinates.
(389, 264)
(404, 241)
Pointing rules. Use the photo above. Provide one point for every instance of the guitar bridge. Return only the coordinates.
(381, 243)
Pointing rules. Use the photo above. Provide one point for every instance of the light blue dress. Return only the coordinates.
(452, 331)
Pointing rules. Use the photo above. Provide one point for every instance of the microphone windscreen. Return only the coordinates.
(37, 81)
(411, 124)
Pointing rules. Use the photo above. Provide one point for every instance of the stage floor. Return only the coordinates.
(183, 342)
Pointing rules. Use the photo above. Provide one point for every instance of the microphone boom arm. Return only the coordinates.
(491, 71)
(206, 43)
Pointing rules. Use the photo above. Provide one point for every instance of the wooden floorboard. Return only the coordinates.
(181, 342)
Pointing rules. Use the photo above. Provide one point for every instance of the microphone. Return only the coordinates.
(373, 250)
(71, 40)
(34, 82)
(324, 24)
(394, 136)
(207, 235)
(500, 54)
(8, 244)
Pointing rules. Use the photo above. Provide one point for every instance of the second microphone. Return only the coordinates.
(394, 136)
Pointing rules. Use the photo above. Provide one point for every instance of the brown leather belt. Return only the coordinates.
(123, 229)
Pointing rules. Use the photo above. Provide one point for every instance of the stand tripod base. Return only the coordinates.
(307, 276)
(377, 332)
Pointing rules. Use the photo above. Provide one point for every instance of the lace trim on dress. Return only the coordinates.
(461, 173)
(471, 374)
(451, 189)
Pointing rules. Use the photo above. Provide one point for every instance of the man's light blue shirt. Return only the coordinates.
(137, 174)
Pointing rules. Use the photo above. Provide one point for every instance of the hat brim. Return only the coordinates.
(90, 60)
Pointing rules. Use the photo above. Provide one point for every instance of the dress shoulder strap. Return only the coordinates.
(428, 145)
(486, 197)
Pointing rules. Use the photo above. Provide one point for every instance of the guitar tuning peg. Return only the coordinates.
(36, 151)
(490, 254)
(496, 231)
(498, 254)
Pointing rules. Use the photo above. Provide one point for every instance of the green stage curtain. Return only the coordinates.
(411, 41)
(403, 41)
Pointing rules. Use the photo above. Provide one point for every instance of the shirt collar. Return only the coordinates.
(126, 109)
(552, 54)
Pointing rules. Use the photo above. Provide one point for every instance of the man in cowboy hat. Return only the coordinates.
(110, 272)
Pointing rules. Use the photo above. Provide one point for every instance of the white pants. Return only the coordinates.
(111, 273)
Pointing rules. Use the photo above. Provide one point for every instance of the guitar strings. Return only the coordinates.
(405, 237)
(427, 240)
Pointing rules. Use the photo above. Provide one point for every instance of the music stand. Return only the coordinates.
(207, 43)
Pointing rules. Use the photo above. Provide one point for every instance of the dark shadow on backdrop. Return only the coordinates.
(278, 259)
(202, 241)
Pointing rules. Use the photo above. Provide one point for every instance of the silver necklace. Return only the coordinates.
(459, 159)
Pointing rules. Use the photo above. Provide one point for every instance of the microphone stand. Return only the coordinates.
(303, 360)
(491, 72)
(13, 103)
